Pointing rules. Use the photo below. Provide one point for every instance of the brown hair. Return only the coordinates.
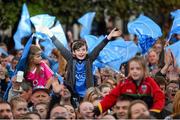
(141, 61)
(76, 44)
(160, 80)
(33, 51)
(176, 103)
(133, 103)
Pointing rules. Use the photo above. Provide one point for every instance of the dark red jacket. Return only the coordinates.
(147, 87)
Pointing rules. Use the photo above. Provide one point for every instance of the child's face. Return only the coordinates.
(80, 53)
(105, 91)
(37, 58)
(136, 71)
(20, 109)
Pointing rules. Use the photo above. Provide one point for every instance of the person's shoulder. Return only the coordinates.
(149, 78)
(127, 81)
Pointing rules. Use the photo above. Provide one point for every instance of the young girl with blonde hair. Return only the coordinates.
(137, 86)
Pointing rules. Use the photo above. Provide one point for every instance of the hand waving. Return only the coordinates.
(114, 33)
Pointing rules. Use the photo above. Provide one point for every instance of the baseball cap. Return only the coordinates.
(40, 88)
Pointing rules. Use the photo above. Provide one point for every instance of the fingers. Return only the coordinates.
(113, 30)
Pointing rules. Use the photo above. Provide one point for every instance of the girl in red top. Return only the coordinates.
(137, 86)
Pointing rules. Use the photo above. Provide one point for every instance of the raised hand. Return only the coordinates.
(56, 87)
(114, 33)
(168, 57)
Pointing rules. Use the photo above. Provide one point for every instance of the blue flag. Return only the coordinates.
(46, 42)
(118, 52)
(176, 51)
(55, 27)
(146, 30)
(21, 66)
(175, 29)
(92, 41)
(175, 14)
(23, 29)
(43, 20)
(58, 31)
(145, 43)
(114, 53)
(86, 22)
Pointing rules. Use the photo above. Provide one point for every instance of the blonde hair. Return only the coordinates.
(176, 103)
(152, 50)
(15, 100)
(104, 85)
(141, 61)
(90, 92)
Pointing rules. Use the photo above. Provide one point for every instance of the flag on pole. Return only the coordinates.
(23, 29)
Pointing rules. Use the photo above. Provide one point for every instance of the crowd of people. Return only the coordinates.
(63, 85)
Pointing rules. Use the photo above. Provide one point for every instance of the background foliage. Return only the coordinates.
(68, 11)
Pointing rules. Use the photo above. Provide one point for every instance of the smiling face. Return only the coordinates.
(79, 49)
(80, 53)
(139, 109)
(20, 109)
(86, 110)
(136, 71)
(71, 111)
